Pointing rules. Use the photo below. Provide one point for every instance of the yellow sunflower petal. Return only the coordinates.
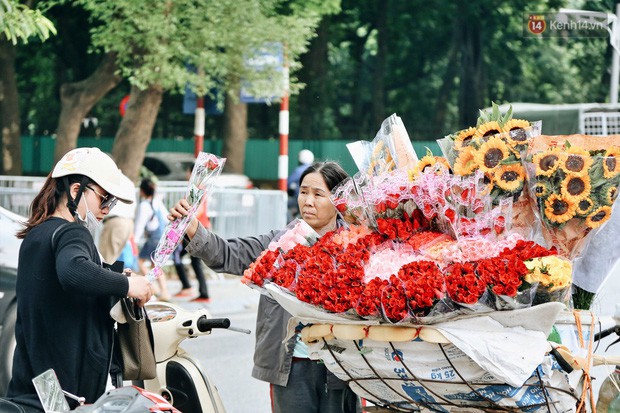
(576, 187)
(488, 129)
(546, 162)
(611, 168)
(465, 163)
(464, 138)
(425, 162)
(584, 207)
(516, 134)
(598, 217)
(559, 209)
(576, 161)
(491, 153)
(510, 178)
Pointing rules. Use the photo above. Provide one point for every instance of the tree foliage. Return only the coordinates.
(19, 22)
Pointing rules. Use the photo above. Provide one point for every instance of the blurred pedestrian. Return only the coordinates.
(118, 228)
(305, 159)
(150, 223)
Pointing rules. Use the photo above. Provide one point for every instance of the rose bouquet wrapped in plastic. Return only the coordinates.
(206, 168)
(574, 182)
(297, 233)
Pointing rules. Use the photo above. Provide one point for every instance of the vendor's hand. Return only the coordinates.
(181, 209)
(140, 288)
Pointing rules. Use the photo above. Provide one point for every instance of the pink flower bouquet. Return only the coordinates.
(206, 169)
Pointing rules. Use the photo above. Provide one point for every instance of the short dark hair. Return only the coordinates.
(147, 187)
(331, 172)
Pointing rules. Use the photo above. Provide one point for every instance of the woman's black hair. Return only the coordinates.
(147, 187)
(331, 172)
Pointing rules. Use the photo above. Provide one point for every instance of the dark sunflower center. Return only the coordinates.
(575, 163)
(547, 162)
(576, 186)
(518, 134)
(610, 161)
(584, 204)
(510, 176)
(492, 157)
(467, 139)
(598, 216)
(613, 193)
(539, 189)
(559, 207)
(491, 132)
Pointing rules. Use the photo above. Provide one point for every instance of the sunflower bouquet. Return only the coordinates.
(575, 184)
(494, 147)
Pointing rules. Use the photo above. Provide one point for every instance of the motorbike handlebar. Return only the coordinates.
(607, 332)
(206, 324)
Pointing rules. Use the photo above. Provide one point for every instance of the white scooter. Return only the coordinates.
(181, 385)
(180, 378)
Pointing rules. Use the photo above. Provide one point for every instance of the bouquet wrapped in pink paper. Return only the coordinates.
(206, 169)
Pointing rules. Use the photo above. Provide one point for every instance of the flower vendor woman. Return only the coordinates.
(64, 294)
(297, 383)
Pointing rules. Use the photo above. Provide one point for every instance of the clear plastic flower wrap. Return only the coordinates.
(390, 149)
(574, 182)
(275, 262)
(348, 198)
(206, 168)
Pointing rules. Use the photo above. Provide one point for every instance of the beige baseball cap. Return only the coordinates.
(99, 167)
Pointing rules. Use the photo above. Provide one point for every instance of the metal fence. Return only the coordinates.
(233, 212)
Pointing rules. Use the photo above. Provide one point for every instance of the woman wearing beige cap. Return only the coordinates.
(64, 294)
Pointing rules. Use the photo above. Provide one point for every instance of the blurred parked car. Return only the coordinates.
(9, 250)
(172, 166)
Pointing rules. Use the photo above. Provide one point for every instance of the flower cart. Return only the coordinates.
(451, 288)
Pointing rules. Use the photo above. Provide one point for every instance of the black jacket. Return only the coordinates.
(64, 297)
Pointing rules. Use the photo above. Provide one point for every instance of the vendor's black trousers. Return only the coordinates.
(307, 392)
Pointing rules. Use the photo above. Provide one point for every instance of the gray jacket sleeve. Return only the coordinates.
(232, 256)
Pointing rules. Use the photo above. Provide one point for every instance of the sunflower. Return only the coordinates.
(463, 139)
(576, 161)
(510, 178)
(465, 163)
(488, 129)
(432, 162)
(598, 217)
(610, 162)
(546, 162)
(542, 189)
(516, 131)
(576, 187)
(559, 209)
(607, 193)
(584, 207)
(491, 153)
(425, 162)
